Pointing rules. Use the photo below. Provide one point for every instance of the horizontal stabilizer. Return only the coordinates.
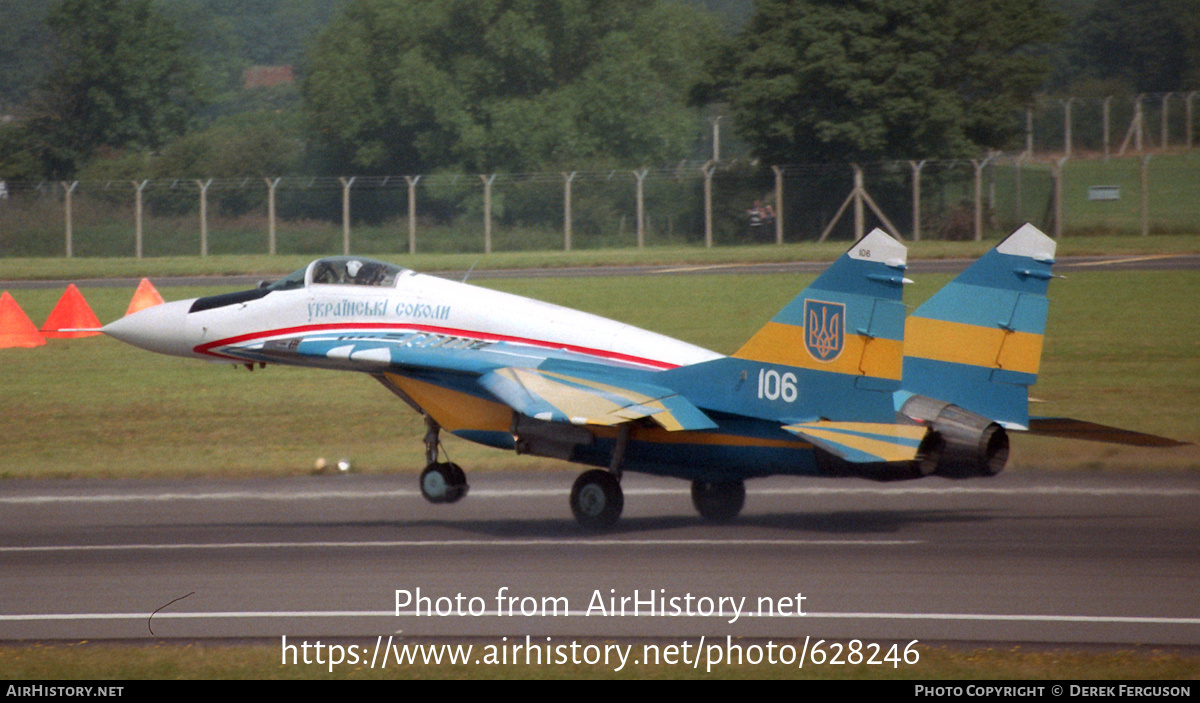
(560, 397)
(1068, 428)
(863, 442)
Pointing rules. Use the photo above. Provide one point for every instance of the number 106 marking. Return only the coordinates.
(773, 386)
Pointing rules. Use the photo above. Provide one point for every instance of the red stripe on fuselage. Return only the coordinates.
(449, 331)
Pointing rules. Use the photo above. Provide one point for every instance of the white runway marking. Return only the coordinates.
(278, 615)
(599, 542)
(500, 493)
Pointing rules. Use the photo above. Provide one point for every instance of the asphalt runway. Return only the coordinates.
(1025, 557)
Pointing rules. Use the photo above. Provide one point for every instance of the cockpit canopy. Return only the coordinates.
(335, 270)
(342, 271)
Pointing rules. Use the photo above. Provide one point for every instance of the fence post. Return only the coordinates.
(568, 178)
(203, 185)
(1146, 195)
(1029, 130)
(1139, 118)
(487, 212)
(916, 167)
(346, 183)
(1067, 126)
(1017, 188)
(717, 137)
(778, 204)
(641, 206)
(271, 184)
(860, 220)
(412, 212)
(1166, 132)
(1107, 105)
(137, 217)
(708, 170)
(1056, 172)
(1188, 111)
(68, 188)
(979, 166)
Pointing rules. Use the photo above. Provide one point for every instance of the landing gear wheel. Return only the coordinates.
(718, 501)
(597, 499)
(443, 482)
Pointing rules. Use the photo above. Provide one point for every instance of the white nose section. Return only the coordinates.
(162, 328)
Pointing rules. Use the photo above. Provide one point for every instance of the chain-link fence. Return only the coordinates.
(712, 204)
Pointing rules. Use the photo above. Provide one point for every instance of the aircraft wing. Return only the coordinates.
(569, 396)
(578, 399)
(863, 442)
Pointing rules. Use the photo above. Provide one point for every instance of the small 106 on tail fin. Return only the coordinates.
(841, 339)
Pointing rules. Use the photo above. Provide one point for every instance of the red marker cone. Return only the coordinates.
(16, 329)
(71, 313)
(145, 297)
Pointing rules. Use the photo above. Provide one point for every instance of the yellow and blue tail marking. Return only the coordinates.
(977, 342)
(842, 338)
(834, 353)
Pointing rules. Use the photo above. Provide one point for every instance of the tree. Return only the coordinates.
(828, 80)
(504, 84)
(23, 38)
(1150, 45)
(120, 81)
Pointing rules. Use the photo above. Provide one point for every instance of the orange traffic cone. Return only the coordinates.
(145, 297)
(71, 313)
(16, 329)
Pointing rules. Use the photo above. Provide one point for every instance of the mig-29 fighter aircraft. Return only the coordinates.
(840, 382)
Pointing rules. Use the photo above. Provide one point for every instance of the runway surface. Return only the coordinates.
(1023, 557)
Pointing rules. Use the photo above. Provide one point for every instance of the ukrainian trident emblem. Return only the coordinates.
(824, 329)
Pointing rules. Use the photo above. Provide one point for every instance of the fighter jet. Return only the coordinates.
(840, 382)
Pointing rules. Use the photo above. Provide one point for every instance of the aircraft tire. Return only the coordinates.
(458, 488)
(443, 483)
(597, 499)
(718, 501)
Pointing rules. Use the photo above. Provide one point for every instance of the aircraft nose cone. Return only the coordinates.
(162, 328)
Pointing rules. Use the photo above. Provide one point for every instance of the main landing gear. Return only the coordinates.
(718, 501)
(597, 499)
(441, 481)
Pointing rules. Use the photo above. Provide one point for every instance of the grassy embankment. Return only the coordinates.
(1122, 349)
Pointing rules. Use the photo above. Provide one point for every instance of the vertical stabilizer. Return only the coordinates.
(977, 343)
(835, 351)
(849, 321)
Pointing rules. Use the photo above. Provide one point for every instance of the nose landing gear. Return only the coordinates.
(441, 482)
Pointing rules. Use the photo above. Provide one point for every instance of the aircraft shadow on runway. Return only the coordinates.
(839, 522)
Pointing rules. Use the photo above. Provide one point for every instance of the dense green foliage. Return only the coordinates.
(120, 80)
(836, 81)
(513, 85)
(110, 86)
(1148, 45)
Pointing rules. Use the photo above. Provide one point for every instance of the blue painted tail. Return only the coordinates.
(977, 343)
(834, 352)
